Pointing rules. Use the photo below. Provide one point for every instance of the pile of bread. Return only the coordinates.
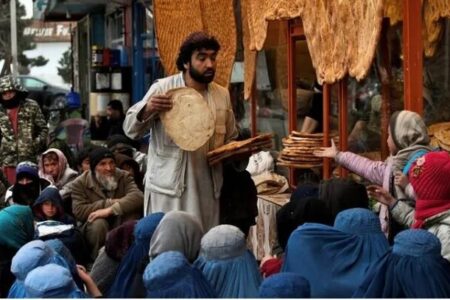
(440, 135)
(299, 147)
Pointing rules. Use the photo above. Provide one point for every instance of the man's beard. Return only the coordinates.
(201, 77)
(109, 183)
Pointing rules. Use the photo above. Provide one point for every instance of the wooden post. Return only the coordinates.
(385, 74)
(292, 103)
(413, 55)
(253, 104)
(326, 128)
(343, 121)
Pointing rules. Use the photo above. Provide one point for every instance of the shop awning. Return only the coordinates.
(65, 10)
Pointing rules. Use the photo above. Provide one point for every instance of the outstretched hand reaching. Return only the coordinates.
(329, 152)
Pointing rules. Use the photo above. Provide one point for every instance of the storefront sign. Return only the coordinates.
(49, 31)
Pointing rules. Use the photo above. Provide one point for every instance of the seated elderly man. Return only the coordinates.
(103, 198)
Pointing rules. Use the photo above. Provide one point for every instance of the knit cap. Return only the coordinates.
(97, 155)
(27, 167)
(429, 176)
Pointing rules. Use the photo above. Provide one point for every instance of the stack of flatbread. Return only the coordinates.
(299, 147)
(441, 132)
(433, 133)
(248, 146)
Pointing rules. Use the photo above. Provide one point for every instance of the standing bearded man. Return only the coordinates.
(178, 179)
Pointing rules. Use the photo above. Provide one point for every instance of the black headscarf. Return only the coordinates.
(341, 194)
(304, 207)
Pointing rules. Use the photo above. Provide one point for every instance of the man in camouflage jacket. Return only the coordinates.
(23, 130)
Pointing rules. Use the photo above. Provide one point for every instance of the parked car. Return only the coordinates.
(48, 96)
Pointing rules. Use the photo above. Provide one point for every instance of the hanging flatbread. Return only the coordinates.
(190, 122)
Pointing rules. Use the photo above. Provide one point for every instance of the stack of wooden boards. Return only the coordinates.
(248, 146)
(440, 135)
(299, 147)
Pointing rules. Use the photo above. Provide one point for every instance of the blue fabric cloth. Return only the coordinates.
(51, 281)
(30, 256)
(59, 248)
(226, 263)
(170, 275)
(129, 266)
(333, 260)
(412, 160)
(285, 285)
(413, 269)
(16, 226)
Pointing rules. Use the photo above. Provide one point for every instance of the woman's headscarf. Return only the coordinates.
(26, 194)
(410, 135)
(178, 231)
(341, 194)
(335, 260)
(119, 240)
(227, 264)
(16, 226)
(298, 211)
(170, 275)
(117, 243)
(30, 256)
(128, 270)
(59, 248)
(285, 285)
(51, 281)
(414, 268)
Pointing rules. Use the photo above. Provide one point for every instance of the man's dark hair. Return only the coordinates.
(116, 105)
(195, 41)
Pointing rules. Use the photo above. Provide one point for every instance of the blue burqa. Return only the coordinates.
(414, 268)
(335, 259)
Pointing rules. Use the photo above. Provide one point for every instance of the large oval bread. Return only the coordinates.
(190, 122)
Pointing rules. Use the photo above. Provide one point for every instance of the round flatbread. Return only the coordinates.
(190, 122)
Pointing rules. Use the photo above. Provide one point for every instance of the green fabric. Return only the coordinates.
(16, 226)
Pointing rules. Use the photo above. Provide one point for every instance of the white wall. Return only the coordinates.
(49, 72)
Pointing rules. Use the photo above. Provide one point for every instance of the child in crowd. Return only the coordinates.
(48, 212)
(408, 138)
(48, 207)
(429, 177)
(53, 166)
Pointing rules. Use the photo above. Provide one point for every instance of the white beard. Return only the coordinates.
(109, 183)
